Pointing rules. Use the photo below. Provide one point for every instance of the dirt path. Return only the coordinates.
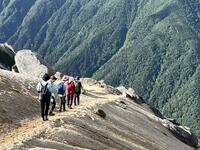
(95, 95)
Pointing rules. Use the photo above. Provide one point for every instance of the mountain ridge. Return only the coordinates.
(126, 124)
(152, 46)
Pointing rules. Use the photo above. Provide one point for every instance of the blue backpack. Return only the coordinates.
(61, 88)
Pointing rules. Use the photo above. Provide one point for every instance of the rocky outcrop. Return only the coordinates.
(103, 121)
(124, 129)
(109, 89)
(181, 132)
(130, 93)
(89, 81)
(113, 90)
(102, 83)
(7, 54)
(109, 118)
(32, 64)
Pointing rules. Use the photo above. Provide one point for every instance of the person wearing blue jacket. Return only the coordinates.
(61, 91)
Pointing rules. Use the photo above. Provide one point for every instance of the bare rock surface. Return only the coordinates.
(32, 64)
(17, 100)
(181, 132)
(127, 125)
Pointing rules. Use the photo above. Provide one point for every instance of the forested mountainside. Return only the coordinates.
(150, 45)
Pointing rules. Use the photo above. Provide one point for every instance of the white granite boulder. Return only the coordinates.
(32, 64)
(130, 93)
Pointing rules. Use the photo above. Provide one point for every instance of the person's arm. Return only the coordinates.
(38, 87)
(50, 87)
(81, 86)
(64, 87)
(53, 90)
(83, 90)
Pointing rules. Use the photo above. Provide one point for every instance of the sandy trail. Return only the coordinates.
(95, 95)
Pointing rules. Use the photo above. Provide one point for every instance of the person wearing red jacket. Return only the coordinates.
(70, 93)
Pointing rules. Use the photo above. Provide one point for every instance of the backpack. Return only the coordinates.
(44, 94)
(61, 88)
(77, 88)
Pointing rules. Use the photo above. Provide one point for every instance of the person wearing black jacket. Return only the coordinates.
(44, 96)
(77, 91)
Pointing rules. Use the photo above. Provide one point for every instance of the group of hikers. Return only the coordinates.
(67, 89)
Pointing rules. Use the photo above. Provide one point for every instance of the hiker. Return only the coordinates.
(61, 93)
(44, 96)
(52, 89)
(70, 94)
(66, 80)
(77, 90)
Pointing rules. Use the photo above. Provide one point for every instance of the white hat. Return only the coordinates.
(65, 78)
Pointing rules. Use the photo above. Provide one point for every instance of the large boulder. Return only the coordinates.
(32, 64)
(7, 54)
(89, 81)
(112, 90)
(130, 93)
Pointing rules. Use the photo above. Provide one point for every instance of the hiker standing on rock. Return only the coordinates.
(66, 81)
(61, 88)
(70, 94)
(77, 90)
(52, 90)
(44, 96)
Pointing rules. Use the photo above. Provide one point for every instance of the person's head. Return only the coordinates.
(46, 77)
(77, 78)
(65, 78)
(60, 76)
(53, 78)
(71, 79)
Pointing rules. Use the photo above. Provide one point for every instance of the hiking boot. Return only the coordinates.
(52, 114)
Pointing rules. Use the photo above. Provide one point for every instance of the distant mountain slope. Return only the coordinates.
(151, 45)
